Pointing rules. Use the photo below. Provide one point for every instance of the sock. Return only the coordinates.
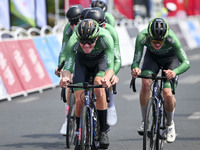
(143, 111)
(111, 103)
(103, 120)
(170, 117)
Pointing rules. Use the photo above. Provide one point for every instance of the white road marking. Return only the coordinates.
(194, 57)
(27, 100)
(194, 116)
(191, 79)
(131, 97)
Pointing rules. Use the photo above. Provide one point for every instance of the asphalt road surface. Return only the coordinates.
(34, 122)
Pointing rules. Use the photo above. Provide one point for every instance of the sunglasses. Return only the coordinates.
(157, 41)
(88, 41)
(73, 23)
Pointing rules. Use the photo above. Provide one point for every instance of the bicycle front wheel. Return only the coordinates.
(149, 136)
(71, 122)
(85, 129)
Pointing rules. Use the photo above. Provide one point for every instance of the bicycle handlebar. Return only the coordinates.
(114, 89)
(84, 85)
(154, 78)
(61, 65)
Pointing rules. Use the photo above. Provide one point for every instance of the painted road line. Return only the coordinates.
(29, 99)
(194, 116)
(131, 97)
(191, 79)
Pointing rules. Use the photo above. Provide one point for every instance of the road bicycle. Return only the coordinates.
(154, 134)
(89, 127)
(71, 119)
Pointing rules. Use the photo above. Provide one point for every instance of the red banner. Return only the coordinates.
(192, 7)
(22, 67)
(8, 74)
(125, 7)
(83, 3)
(33, 59)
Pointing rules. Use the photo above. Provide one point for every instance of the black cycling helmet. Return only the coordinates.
(158, 29)
(84, 12)
(99, 3)
(97, 14)
(74, 13)
(88, 29)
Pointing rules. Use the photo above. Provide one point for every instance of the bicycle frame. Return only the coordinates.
(89, 103)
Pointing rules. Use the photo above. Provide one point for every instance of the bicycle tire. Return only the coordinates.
(71, 122)
(149, 136)
(85, 143)
(162, 130)
(96, 130)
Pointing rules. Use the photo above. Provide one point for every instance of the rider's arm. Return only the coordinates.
(117, 55)
(110, 19)
(66, 36)
(138, 50)
(69, 54)
(181, 55)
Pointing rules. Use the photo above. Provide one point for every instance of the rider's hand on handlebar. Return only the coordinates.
(57, 72)
(105, 82)
(65, 79)
(169, 74)
(135, 72)
(114, 80)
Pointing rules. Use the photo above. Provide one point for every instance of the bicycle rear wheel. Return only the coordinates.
(149, 137)
(85, 129)
(71, 122)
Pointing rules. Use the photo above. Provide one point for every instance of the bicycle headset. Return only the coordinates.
(97, 14)
(100, 4)
(88, 29)
(74, 13)
(84, 12)
(158, 29)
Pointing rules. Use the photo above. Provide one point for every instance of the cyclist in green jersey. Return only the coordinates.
(73, 15)
(164, 51)
(103, 5)
(90, 51)
(98, 15)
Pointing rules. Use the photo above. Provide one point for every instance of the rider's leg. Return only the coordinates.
(144, 96)
(170, 104)
(101, 105)
(78, 105)
(111, 113)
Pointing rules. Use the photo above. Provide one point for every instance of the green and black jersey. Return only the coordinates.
(171, 45)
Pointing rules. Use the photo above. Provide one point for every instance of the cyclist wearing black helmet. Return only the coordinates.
(103, 5)
(73, 15)
(84, 12)
(98, 15)
(165, 51)
(90, 51)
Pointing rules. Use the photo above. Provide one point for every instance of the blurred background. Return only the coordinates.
(38, 13)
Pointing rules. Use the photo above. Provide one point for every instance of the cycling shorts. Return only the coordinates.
(153, 63)
(87, 66)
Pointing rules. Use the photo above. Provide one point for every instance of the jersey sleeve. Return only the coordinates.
(181, 55)
(109, 50)
(110, 19)
(68, 54)
(138, 50)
